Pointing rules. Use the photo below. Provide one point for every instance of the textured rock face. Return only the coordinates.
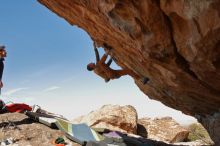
(112, 117)
(164, 129)
(173, 42)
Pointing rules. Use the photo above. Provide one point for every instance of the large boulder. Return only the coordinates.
(112, 117)
(175, 43)
(163, 129)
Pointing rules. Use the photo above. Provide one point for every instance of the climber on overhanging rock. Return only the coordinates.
(103, 69)
(3, 54)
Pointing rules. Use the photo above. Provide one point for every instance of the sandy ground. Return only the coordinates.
(25, 132)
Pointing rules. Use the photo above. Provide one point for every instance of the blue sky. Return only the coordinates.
(46, 65)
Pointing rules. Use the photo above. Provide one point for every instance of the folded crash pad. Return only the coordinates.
(47, 120)
(78, 132)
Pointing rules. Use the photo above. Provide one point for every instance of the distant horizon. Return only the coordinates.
(46, 65)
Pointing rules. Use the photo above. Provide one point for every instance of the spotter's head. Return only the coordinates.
(3, 52)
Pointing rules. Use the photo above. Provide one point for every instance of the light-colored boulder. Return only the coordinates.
(164, 129)
(112, 117)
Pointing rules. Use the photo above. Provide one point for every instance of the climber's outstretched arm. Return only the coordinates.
(104, 57)
(96, 53)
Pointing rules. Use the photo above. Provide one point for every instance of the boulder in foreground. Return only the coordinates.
(163, 129)
(112, 117)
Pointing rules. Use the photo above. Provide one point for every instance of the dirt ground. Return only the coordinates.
(26, 132)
